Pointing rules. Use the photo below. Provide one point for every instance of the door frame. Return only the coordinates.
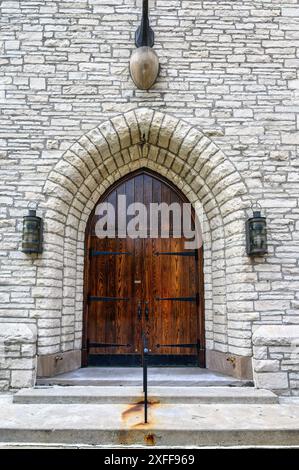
(199, 271)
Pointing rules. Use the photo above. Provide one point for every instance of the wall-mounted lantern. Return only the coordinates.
(32, 237)
(256, 234)
(144, 63)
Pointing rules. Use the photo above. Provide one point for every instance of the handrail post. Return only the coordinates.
(145, 384)
(145, 365)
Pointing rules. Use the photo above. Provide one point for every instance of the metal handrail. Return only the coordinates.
(145, 381)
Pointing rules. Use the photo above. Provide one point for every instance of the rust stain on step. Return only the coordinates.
(133, 415)
(150, 440)
(129, 437)
(126, 437)
(134, 408)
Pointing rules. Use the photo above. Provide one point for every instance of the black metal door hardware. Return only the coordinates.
(180, 299)
(92, 298)
(109, 253)
(146, 311)
(107, 345)
(139, 311)
(177, 253)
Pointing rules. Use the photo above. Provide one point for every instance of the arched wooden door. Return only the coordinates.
(143, 289)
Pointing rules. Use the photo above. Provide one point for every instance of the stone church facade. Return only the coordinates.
(221, 123)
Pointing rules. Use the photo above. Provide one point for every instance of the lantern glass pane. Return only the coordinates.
(258, 236)
(31, 240)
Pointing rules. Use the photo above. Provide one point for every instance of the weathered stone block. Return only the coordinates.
(37, 83)
(266, 365)
(23, 337)
(276, 335)
(260, 352)
(272, 380)
(22, 378)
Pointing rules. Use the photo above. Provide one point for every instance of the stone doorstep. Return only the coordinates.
(157, 377)
(133, 395)
(169, 425)
(138, 382)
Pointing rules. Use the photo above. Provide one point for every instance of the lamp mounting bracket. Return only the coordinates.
(144, 36)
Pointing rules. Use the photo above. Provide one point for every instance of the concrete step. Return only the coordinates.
(131, 395)
(115, 425)
(132, 377)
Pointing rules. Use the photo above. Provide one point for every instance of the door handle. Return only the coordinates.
(139, 311)
(146, 311)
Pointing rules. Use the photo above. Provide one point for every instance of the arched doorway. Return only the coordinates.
(143, 289)
(184, 155)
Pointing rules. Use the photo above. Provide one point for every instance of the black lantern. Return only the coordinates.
(256, 234)
(32, 233)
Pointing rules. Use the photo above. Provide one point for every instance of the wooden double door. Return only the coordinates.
(142, 291)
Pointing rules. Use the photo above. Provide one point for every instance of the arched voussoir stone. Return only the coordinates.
(189, 143)
(168, 125)
(79, 164)
(111, 136)
(88, 147)
(123, 131)
(101, 144)
(217, 163)
(179, 136)
(60, 180)
(80, 157)
(62, 195)
(65, 168)
(139, 124)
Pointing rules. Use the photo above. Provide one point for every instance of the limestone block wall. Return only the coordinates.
(276, 359)
(228, 68)
(17, 355)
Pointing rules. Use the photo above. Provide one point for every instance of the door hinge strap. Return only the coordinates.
(180, 299)
(108, 345)
(92, 298)
(183, 345)
(108, 253)
(177, 253)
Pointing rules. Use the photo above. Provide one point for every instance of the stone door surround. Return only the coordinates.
(184, 155)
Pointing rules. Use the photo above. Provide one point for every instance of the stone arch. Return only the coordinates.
(180, 152)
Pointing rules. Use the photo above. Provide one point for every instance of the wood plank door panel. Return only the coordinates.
(142, 287)
(112, 308)
(173, 299)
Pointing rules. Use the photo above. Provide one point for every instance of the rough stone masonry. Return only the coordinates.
(229, 69)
